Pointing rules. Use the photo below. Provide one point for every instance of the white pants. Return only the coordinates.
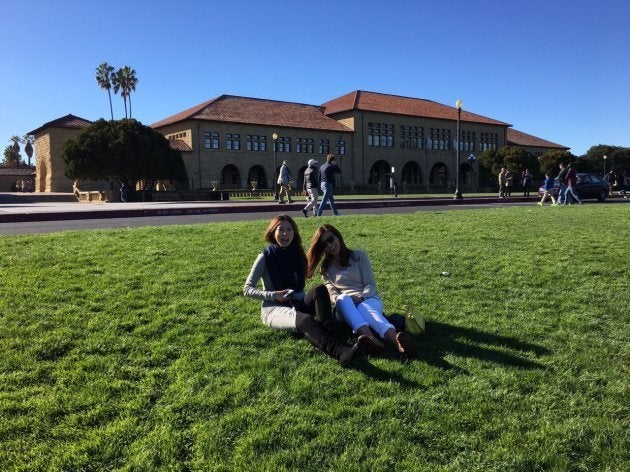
(369, 312)
(312, 199)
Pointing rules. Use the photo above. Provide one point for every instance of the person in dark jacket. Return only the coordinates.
(327, 182)
(310, 187)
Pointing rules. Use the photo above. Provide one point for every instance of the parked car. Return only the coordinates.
(588, 186)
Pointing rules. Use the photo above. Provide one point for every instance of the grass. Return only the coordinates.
(135, 350)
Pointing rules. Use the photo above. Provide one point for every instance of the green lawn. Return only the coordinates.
(135, 350)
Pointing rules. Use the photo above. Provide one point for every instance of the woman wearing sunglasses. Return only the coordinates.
(352, 287)
(285, 306)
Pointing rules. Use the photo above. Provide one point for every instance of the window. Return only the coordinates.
(284, 144)
(488, 141)
(467, 141)
(439, 139)
(341, 148)
(411, 137)
(304, 145)
(324, 146)
(232, 142)
(211, 140)
(380, 135)
(255, 143)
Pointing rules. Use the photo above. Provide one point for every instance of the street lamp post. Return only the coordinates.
(605, 157)
(458, 193)
(274, 136)
(471, 159)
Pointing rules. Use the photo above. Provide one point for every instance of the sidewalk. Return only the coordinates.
(56, 207)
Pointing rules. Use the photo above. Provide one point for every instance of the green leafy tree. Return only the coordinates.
(515, 158)
(104, 79)
(11, 158)
(550, 161)
(617, 159)
(122, 150)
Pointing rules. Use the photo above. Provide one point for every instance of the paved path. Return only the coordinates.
(50, 213)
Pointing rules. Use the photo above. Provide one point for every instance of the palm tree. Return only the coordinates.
(130, 83)
(118, 81)
(27, 140)
(104, 79)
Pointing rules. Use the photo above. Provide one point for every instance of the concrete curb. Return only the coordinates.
(179, 209)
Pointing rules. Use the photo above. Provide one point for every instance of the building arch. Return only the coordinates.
(230, 177)
(411, 174)
(257, 173)
(439, 176)
(379, 174)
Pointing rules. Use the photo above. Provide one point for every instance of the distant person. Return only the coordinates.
(526, 180)
(562, 182)
(571, 192)
(123, 193)
(548, 186)
(351, 284)
(393, 185)
(285, 305)
(610, 177)
(509, 183)
(284, 180)
(327, 183)
(310, 187)
(502, 182)
(624, 181)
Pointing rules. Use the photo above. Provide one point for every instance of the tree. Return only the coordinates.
(11, 159)
(515, 158)
(123, 150)
(617, 159)
(125, 81)
(104, 79)
(550, 161)
(28, 140)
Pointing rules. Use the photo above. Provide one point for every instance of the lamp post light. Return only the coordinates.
(458, 193)
(471, 159)
(605, 157)
(274, 136)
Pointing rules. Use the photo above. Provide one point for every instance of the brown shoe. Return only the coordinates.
(370, 344)
(406, 344)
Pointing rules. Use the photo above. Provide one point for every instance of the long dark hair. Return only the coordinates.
(297, 240)
(317, 250)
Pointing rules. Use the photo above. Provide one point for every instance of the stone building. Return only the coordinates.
(240, 142)
(49, 139)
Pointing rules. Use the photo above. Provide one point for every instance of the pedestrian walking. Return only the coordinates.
(502, 182)
(562, 182)
(526, 180)
(548, 186)
(310, 187)
(327, 183)
(284, 180)
(571, 182)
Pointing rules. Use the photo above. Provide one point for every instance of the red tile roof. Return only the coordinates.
(68, 121)
(379, 102)
(233, 109)
(518, 138)
(179, 145)
(17, 171)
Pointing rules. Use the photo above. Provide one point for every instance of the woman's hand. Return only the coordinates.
(282, 296)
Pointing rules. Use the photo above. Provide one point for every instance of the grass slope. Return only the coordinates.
(135, 350)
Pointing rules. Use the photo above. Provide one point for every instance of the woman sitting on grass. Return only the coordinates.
(285, 306)
(352, 287)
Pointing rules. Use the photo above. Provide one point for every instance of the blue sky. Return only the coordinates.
(557, 69)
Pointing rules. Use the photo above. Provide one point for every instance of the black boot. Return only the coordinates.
(325, 342)
(323, 308)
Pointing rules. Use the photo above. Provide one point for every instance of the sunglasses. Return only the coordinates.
(329, 240)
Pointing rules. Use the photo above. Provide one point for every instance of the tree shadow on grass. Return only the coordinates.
(442, 339)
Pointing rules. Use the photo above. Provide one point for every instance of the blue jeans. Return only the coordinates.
(562, 192)
(328, 196)
(570, 194)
